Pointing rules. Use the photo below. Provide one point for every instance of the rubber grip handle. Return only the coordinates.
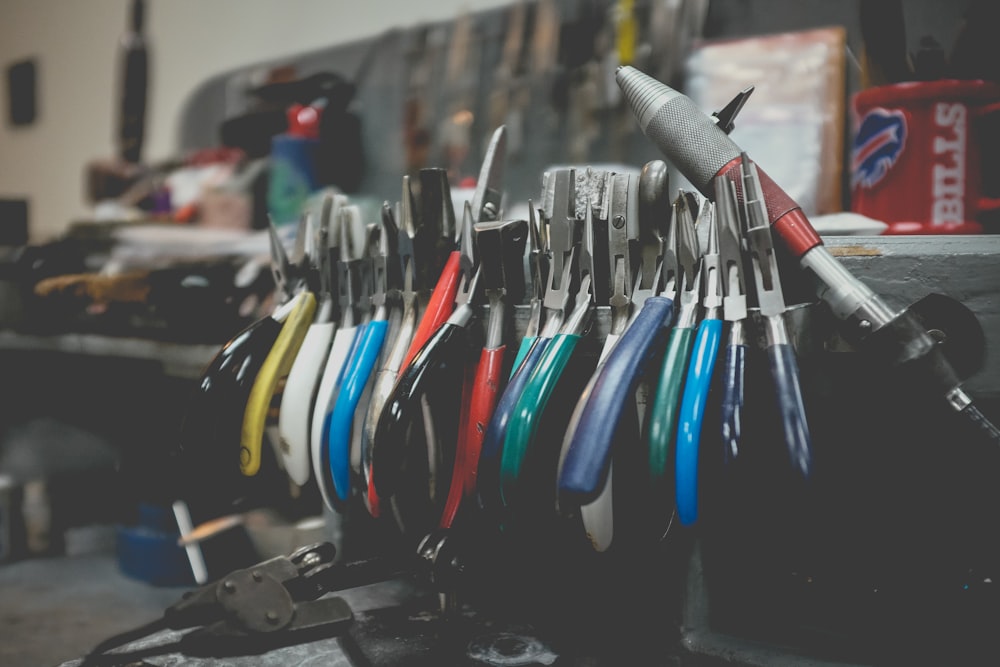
(691, 415)
(733, 374)
(522, 352)
(276, 366)
(488, 476)
(485, 389)
(343, 344)
(356, 376)
(439, 308)
(528, 411)
(404, 405)
(788, 391)
(585, 465)
(666, 401)
(297, 400)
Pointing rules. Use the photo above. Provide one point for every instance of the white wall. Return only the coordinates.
(74, 43)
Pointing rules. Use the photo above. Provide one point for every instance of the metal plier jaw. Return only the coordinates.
(468, 288)
(688, 263)
(327, 239)
(578, 320)
(727, 217)
(669, 268)
(289, 276)
(711, 299)
(412, 268)
(349, 267)
(758, 232)
(386, 276)
(535, 271)
(621, 239)
(563, 234)
(488, 195)
(436, 229)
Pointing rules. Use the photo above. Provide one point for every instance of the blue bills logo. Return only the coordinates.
(877, 146)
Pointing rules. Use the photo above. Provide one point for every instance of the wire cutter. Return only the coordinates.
(298, 397)
(661, 431)
(501, 250)
(440, 367)
(780, 353)
(734, 312)
(358, 370)
(349, 278)
(541, 383)
(563, 248)
(585, 466)
(301, 307)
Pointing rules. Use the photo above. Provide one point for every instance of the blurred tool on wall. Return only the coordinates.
(109, 178)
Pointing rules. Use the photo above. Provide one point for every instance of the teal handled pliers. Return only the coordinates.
(524, 421)
(780, 353)
(563, 255)
(662, 420)
(700, 371)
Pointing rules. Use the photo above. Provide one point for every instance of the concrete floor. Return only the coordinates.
(56, 609)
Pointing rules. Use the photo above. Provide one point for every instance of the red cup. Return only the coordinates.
(915, 158)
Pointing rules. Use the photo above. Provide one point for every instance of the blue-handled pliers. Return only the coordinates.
(698, 381)
(780, 353)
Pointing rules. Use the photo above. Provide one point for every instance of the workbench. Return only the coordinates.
(889, 558)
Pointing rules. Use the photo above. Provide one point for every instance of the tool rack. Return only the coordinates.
(889, 560)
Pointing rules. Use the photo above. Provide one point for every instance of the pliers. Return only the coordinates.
(780, 353)
(411, 416)
(501, 248)
(535, 272)
(700, 371)
(295, 315)
(210, 430)
(662, 427)
(485, 206)
(540, 385)
(413, 269)
(349, 287)
(300, 390)
(362, 361)
(619, 211)
(563, 251)
(734, 312)
(585, 466)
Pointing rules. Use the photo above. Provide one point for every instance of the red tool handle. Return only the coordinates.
(477, 413)
(439, 308)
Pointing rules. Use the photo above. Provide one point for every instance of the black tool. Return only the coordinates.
(248, 611)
